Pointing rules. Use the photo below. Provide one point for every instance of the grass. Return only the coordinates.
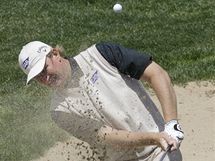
(26, 128)
(178, 34)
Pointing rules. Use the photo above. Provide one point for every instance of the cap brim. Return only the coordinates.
(38, 67)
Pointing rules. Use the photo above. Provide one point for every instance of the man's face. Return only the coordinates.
(54, 73)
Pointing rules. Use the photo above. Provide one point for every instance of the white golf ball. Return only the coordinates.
(117, 8)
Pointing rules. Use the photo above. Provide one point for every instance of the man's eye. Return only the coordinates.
(44, 69)
(49, 55)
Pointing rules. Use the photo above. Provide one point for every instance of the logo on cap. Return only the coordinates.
(42, 49)
(25, 63)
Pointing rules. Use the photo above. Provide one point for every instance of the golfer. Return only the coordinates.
(98, 97)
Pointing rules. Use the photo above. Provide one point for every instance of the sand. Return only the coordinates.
(196, 112)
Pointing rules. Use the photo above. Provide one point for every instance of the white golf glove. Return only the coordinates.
(173, 129)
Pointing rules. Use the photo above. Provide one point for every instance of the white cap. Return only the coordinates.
(32, 58)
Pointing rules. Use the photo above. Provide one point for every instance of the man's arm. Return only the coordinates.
(127, 139)
(161, 84)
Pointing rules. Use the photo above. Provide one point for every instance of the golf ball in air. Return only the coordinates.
(117, 8)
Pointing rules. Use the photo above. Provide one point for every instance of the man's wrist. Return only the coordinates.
(151, 139)
(173, 121)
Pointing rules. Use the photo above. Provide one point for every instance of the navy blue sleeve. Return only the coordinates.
(127, 61)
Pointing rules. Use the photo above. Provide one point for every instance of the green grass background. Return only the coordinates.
(179, 34)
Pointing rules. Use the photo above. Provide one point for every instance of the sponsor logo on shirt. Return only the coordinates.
(94, 77)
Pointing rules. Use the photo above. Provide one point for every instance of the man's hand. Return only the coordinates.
(173, 129)
(165, 141)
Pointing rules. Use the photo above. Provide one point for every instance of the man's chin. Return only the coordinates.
(56, 84)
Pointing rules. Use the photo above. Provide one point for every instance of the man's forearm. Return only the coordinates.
(123, 138)
(166, 95)
(161, 84)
